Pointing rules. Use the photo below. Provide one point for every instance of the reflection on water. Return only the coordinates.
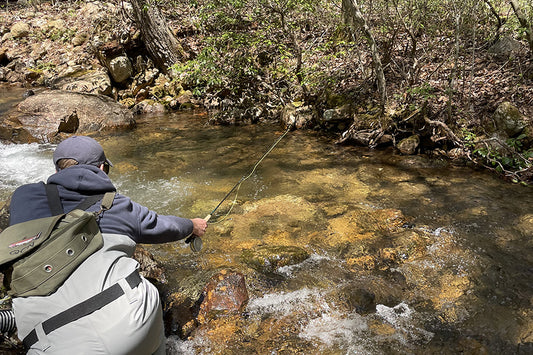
(408, 255)
(9, 97)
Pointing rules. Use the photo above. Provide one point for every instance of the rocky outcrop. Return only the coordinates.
(47, 116)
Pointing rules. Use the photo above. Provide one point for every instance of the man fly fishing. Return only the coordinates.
(104, 306)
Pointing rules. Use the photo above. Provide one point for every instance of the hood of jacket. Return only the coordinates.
(85, 179)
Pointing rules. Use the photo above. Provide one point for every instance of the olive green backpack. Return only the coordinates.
(42, 253)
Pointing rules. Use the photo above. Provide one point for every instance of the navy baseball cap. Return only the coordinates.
(83, 149)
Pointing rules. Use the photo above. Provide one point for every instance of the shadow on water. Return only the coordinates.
(406, 255)
(9, 97)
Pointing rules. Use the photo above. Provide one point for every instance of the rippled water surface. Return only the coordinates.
(443, 254)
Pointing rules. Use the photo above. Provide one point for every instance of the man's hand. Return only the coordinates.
(199, 226)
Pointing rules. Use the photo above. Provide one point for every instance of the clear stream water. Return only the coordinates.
(463, 285)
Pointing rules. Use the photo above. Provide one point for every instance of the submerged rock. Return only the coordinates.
(267, 259)
(225, 293)
(357, 299)
(364, 225)
(525, 225)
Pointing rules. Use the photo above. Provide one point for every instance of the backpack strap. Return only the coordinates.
(107, 201)
(88, 202)
(54, 202)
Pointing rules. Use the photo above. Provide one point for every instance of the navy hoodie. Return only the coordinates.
(125, 216)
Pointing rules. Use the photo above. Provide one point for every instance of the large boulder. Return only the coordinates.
(509, 120)
(91, 82)
(47, 116)
(505, 47)
(120, 68)
(20, 29)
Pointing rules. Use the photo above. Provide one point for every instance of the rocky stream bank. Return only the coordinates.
(78, 50)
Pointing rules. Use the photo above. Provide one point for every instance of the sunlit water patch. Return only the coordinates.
(177, 346)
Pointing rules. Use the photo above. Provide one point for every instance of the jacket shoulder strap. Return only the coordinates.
(54, 201)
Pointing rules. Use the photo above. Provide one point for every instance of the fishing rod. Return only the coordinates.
(194, 240)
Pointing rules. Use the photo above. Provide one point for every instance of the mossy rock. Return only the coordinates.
(267, 259)
(409, 145)
(508, 119)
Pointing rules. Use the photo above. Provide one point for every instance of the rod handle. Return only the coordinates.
(207, 218)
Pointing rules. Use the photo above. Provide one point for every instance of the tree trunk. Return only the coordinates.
(353, 15)
(523, 22)
(161, 44)
(498, 19)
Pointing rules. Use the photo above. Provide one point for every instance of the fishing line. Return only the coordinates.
(195, 241)
(246, 177)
